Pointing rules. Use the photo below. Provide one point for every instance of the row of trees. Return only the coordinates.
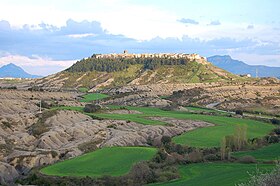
(234, 142)
(119, 64)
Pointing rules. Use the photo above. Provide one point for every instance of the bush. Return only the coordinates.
(272, 139)
(277, 131)
(247, 159)
(212, 157)
(239, 112)
(165, 140)
(89, 108)
(267, 179)
(195, 156)
(89, 146)
(40, 126)
(275, 121)
(141, 173)
(12, 88)
(7, 124)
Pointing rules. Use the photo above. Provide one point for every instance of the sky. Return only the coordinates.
(45, 37)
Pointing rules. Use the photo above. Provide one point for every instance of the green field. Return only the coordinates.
(83, 89)
(216, 174)
(202, 137)
(200, 109)
(113, 161)
(93, 97)
(271, 152)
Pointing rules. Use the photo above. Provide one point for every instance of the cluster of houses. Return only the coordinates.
(125, 54)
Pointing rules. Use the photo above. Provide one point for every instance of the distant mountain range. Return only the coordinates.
(239, 67)
(14, 71)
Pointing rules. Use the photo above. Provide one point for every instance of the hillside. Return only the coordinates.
(14, 71)
(99, 73)
(239, 67)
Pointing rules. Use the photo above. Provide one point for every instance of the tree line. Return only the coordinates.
(119, 64)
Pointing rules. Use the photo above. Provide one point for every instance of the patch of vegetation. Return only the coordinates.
(40, 126)
(7, 124)
(90, 108)
(264, 178)
(89, 146)
(247, 159)
(6, 148)
(113, 161)
(270, 152)
(216, 174)
(35, 88)
(239, 112)
(201, 137)
(275, 121)
(93, 96)
(205, 110)
(118, 64)
(83, 89)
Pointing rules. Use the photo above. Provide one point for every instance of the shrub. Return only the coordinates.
(277, 131)
(160, 156)
(212, 157)
(165, 140)
(89, 108)
(247, 159)
(267, 179)
(195, 156)
(7, 124)
(239, 112)
(141, 173)
(35, 88)
(275, 121)
(44, 104)
(273, 139)
(40, 126)
(89, 146)
(12, 87)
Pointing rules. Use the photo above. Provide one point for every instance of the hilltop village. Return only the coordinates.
(125, 54)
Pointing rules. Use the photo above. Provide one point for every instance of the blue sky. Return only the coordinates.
(47, 36)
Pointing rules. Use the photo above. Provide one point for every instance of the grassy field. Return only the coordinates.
(83, 89)
(93, 97)
(271, 152)
(202, 137)
(200, 109)
(216, 174)
(113, 161)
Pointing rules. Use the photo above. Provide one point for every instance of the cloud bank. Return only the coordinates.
(47, 49)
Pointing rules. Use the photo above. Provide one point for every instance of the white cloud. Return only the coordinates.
(81, 35)
(141, 22)
(31, 65)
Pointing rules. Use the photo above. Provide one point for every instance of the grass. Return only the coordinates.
(200, 109)
(93, 97)
(202, 137)
(113, 161)
(271, 152)
(83, 89)
(211, 136)
(216, 174)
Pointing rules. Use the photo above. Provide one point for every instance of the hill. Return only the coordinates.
(111, 72)
(14, 71)
(239, 67)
